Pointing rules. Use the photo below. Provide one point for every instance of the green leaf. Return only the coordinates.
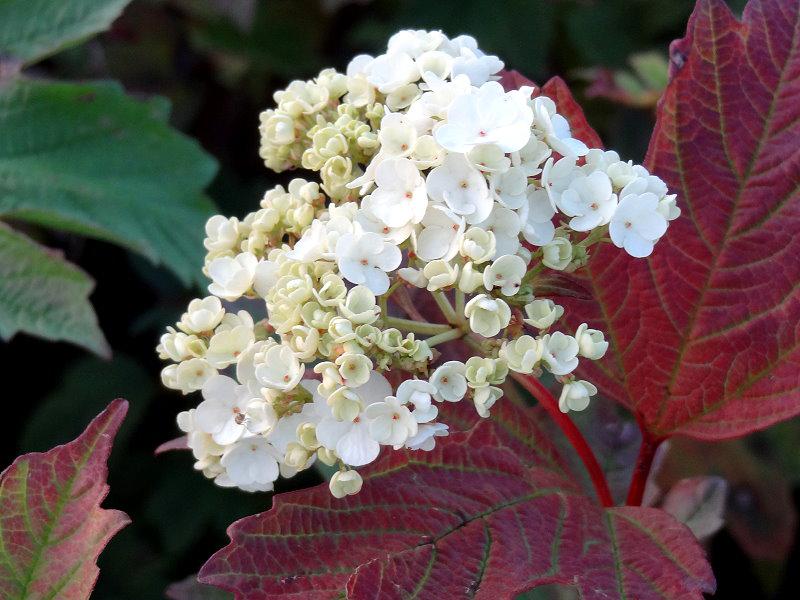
(44, 295)
(88, 159)
(33, 29)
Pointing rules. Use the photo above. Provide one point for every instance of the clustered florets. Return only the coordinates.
(432, 176)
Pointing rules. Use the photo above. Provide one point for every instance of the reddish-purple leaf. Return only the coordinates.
(468, 519)
(52, 528)
(705, 334)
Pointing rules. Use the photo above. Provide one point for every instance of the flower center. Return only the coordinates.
(464, 185)
(482, 133)
(364, 262)
(409, 195)
(628, 225)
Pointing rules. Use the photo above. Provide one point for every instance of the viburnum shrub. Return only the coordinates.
(432, 176)
(458, 228)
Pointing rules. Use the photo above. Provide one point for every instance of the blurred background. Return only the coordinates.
(218, 62)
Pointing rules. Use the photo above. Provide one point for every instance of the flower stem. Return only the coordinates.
(416, 326)
(460, 306)
(445, 306)
(644, 463)
(573, 434)
(445, 336)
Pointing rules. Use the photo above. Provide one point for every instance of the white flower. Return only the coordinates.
(489, 158)
(359, 306)
(472, 62)
(487, 315)
(589, 200)
(427, 153)
(441, 234)
(509, 188)
(345, 483)
(418, 393)
(505, 224)
(489, 115)
(413, 276)
(637, 223)
(391, 422)
(364, 258)
(278, 368)
(506, 273)
(425, 437)
(414, 42)
(668, 207)
(557, 254)
(222, 235)
(591, 342)
(350, 439)
(536, 216)
(435, 62)
(555, 128)
(222, 413)
(370, 222)
(202, 315)
(397, 135)
(232, 277)
(470, 279)
(542, 313)
(484, 399)
(575, 395)
(390, 72)
(523, 353)
(188, 376)
(440, 274)
(266, 276)
(560, 353)
(226, 345)
(478, 245)
(251, 461)
(355, 369)
(557, 175)
(178, 346)
(400, 197)
(462, 187)
(449, 381)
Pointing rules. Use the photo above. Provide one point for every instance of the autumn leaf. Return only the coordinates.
(467, 519)
(704, 334)
(52, 528)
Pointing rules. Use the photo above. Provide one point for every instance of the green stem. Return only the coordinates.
(445, 336)
(460, 306)
(416, 326)
(445, 306)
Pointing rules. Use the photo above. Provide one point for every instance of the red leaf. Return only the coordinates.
(468, 519)
(704, 334)
(52, 528)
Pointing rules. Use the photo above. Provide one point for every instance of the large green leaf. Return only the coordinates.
(87, 158)
(33, 29)
(44, 295)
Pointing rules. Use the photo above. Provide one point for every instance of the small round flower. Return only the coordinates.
(345, 483)
(481, 372)
(560, 354)
(426, 436)
(418, 393)
(506, 273)
(359, 306)
(509, 188)
(557, 254)
(470, 279)
(522, 354)
(449, 381)
(355, 369)
(575, 395)
(226, 345)
(365, 258)
(251, 461)
(278, 368)
(542, 313)
(555, 129)
(591, 342)
(505, 224)
(190, 375)
(440, 274)
(232, 277)
(390, 72)
(589, 200)
(536, 216)
(485, 397)
(487, 315)
(222, 235)
(478, 245)
(222, 413)
(637, 223)
(202, 315)
(441, 235)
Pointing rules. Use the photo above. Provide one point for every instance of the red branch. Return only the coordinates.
(573, 434)
(644, 462)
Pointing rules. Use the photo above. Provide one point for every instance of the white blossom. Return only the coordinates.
(487, 315)
(461, 187)
(560, 353)
(232, 277)
(364, 258)
(575, 395)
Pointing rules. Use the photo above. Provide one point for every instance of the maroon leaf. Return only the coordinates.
(468, 519)
(704, 334)
(52, 528)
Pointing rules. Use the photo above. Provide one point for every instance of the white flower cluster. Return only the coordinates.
(431, 176)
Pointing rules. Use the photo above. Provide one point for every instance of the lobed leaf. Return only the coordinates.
(52, 528)
(468, 519)
(704, 334)
(88, 159)
(33, 29)
(42, 294)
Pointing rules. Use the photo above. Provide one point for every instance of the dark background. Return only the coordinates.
(219, 62)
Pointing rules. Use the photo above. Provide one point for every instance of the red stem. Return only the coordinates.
(644, 463)
(575, 437)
